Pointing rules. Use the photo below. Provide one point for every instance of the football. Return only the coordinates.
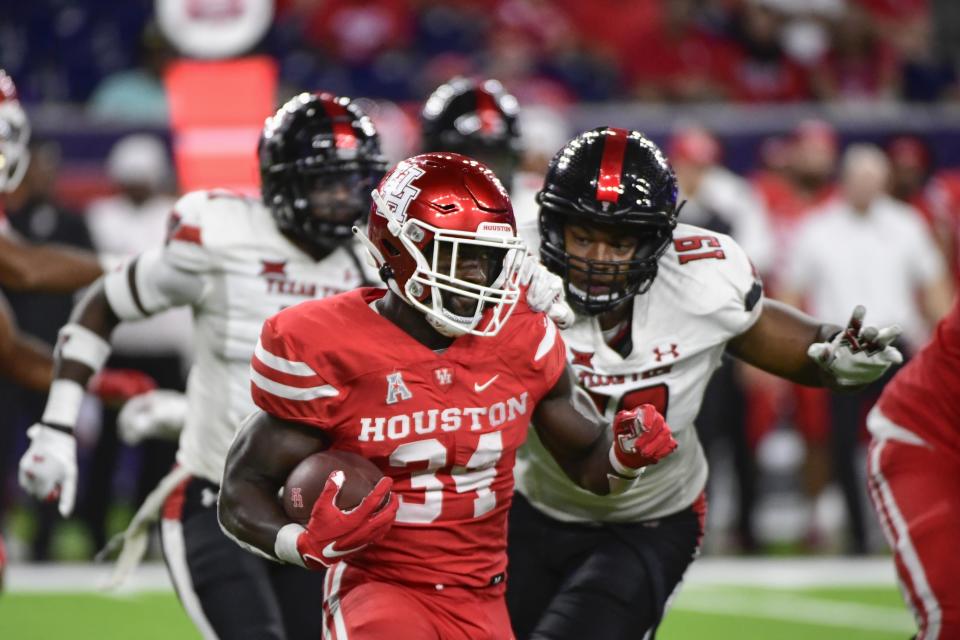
(306, 481)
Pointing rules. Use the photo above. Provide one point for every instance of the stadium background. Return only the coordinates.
(755, 74)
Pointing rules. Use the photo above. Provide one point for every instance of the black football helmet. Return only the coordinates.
(612, 178)
(319, 159)
(475, 119)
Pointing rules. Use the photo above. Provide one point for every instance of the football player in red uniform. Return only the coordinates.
(235, 261)
(435, 380)
(913, 475)
(658, 303)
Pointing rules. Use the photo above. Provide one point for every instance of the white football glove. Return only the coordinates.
(48, 470)
(545, 292)
(857, 356)
(155, 414)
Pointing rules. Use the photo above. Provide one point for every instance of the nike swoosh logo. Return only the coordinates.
(480, 387)
(329, 552)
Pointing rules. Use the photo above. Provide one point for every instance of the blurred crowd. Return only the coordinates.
(545, 51)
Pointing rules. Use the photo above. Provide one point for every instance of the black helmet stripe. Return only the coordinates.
(609, 184)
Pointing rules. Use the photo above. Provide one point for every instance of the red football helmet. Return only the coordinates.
(442, 233)
(14, 136)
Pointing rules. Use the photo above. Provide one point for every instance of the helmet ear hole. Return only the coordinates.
(390, 248)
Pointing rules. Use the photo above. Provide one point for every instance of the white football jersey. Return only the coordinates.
(251, 271)
(705, 293)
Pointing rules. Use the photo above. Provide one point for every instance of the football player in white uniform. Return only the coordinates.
(236, 261)
(657, 304)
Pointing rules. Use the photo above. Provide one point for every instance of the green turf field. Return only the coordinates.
(713, 612)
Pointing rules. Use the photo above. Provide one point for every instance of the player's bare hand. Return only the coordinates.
(858, 355)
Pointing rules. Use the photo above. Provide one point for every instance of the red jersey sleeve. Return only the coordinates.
(535, 351)
(284, 382)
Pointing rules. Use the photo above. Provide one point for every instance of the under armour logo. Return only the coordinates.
(274, 268)
(443, 376)
(582, 358)
(668, 351)
(396, 389)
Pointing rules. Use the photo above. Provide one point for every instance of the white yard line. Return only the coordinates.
(793, 573)
(52, 578)
(788, 573)
(803, 609)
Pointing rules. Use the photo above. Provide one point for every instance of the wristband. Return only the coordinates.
(285, 546)
(63, 404)
(620, 468)
(82, 345)
(622, 484)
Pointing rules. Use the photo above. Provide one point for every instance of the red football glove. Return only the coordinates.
(333, 534)
(119, 385)
(641, 437)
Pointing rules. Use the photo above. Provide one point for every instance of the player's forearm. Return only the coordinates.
(248, 507)
(29, 363)
(587, 463)
(249, 511)
(261, 457)
(46, 268)
(83, 348)
(778, 341)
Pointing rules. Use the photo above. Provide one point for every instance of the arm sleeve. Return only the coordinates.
(174, 275)
(283, 384)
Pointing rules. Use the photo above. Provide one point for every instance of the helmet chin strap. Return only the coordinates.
(444, 328)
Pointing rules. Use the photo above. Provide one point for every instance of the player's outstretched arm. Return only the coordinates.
(261, 458)
(792, 345)
(147, 285)
(45, 268)
(599, 459)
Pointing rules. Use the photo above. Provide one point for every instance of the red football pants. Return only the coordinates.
(915, 490)
(358, 606)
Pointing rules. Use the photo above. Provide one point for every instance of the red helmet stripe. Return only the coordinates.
(487, 111)
(343, 135)
(611, 164)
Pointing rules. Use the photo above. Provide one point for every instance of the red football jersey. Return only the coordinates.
(445, 426)
(924, 396)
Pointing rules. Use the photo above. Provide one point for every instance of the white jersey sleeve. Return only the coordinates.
(730, 289)
(173, 275)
